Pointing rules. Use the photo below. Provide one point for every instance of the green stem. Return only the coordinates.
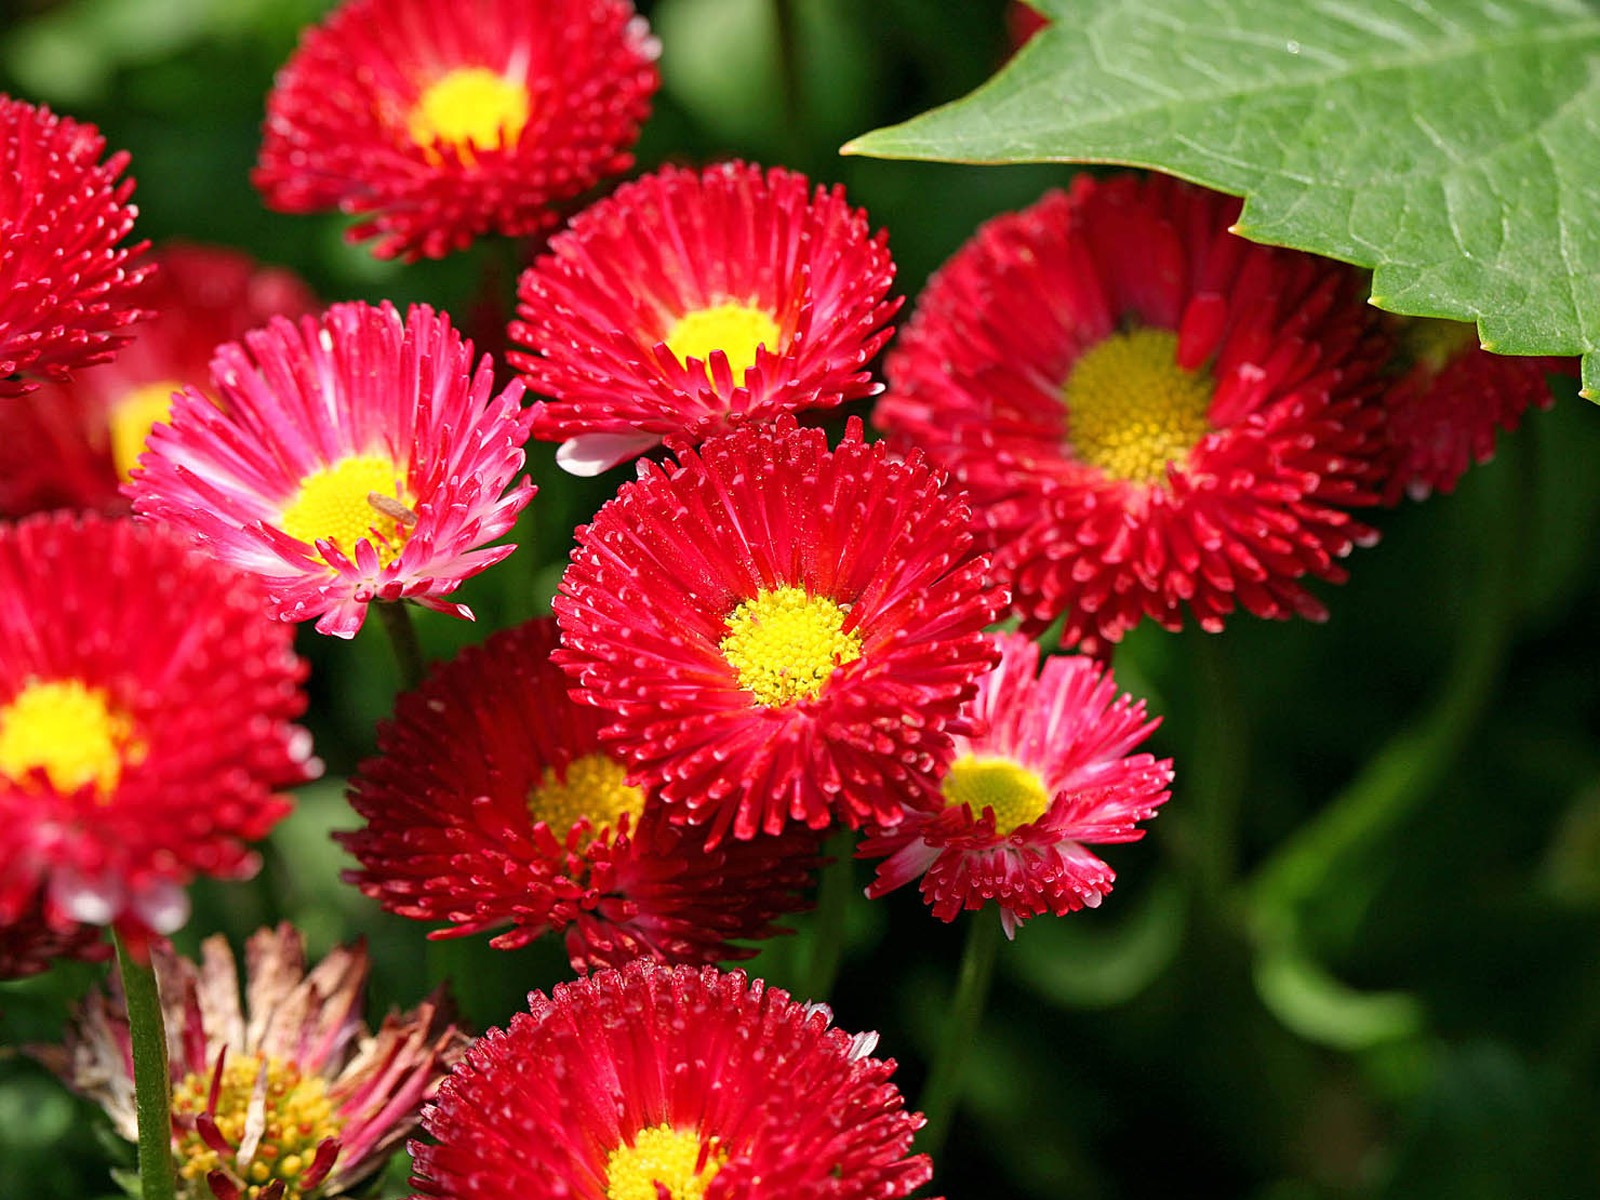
(1217, 766)
(833, 903)
(942, 1095)
(396, 617)
(152, 1082)
(789, 81)
(1414, 762)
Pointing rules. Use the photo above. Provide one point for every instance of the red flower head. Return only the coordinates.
(279, 1092)
(780, 632)
(1151, 414)
(492, 803)
(30, 943)
(1445, 411)
(439, 123)
(1022, 22)
(71, 445)
(655, 1081)
(692, 302)
(355, 458)
(1023, 801)
(145, 715)
(66, 287)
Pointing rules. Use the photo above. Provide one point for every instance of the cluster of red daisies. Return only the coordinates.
(1103, 409)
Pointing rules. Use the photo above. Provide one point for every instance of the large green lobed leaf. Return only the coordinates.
(1453, 146)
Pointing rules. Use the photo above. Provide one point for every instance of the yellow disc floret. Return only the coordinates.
(735, 329)
(131, 419)
(363, 496)
(594, 787)
(295, 1112)
(661, 1154)
(471, 108)
(784, 644)
(1015, 793)
(70, 730)
(1131, 409)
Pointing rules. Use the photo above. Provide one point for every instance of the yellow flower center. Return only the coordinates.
(664, 1155)
(784, 644)
(131, 419)
(594, 787)
(1435, 342)
(735, 329)
(1131, 409)
(471, 108)
(297, 1115)
(1015, 793)
(363, 496)
(72, 731)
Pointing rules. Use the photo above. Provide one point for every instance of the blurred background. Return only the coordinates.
(1358, 954)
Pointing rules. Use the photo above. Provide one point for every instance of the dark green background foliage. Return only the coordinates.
(1358, 954)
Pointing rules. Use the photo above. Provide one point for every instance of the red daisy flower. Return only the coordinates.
(492, 803)
(1022, 22)
(31, 943)
(1445, 411)
(1151, 414)
(353, 459)
(440, 123)
(691, 302)
(778, 631)
(145, 715)
(279, 1092)
(71, 445)
(65, 285)
(1051, 776)
(655, 1081)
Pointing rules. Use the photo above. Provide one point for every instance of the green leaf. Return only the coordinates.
(1450, 145)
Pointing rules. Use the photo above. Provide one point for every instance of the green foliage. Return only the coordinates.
(1448, 146)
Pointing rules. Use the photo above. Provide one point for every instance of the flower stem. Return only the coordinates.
(789, 66)
(1407, 771)
(942, 1094)
(402, 633)
(1216, 771)
(833, 902)
(152, 1082)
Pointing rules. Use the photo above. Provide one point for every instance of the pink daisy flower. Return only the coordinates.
(779, 632)
(146, 709)
(492, 803)
(1023, 802)
(1446, 410)
(351, 459)
(691, 302)
(71, 445)
(654, 1081)
(279, 1092)
(437, 124)
(1153, 417)
(66, 287)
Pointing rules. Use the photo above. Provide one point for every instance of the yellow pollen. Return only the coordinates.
(1435, 342)
(72, 731)
(1015, 793)
(735, 329)
(662, 1154)
(334, 504)
(785, 644)
(471, 108)
(593, 787)
(298, 1116)
(1131, 409)
(131, 419)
